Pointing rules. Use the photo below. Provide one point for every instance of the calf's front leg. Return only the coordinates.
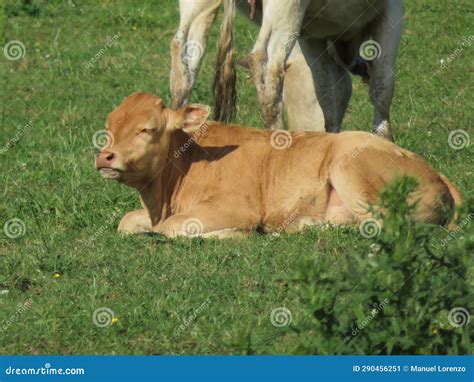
(135, 222)
(207, 221)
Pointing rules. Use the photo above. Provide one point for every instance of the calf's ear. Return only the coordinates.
(190, 118)
(195, 115)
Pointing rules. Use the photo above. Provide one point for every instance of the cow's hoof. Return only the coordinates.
(383, 130)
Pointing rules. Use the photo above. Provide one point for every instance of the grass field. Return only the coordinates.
(206, 296)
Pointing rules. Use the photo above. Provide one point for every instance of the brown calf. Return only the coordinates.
(206, 178)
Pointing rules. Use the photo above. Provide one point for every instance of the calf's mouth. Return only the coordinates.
(109, 173)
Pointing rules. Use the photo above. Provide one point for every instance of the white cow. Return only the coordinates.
(330, 34)
(187, 50)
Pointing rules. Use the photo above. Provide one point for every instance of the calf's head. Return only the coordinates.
(140, 131)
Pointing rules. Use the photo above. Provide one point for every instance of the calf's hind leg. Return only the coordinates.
(351, 192)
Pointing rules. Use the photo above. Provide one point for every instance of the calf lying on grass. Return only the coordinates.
(205, 178)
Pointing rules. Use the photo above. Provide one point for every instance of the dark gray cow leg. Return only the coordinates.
(386, 33)
(333, 83)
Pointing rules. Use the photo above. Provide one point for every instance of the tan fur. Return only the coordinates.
(457, 198)
(228, 180)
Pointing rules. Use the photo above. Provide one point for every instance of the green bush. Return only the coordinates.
(400, 298)
(26, 7)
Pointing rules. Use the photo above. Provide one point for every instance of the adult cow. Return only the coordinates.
(187, 50)
(330, 34)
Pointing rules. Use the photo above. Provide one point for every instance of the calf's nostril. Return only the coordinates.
(109, 156)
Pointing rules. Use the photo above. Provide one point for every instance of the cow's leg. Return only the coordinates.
(299, 95)
(386, 32)
(188, 46)
(277, 37)
(349, 196)
(333, 82)
(135, 222)
(207, 221)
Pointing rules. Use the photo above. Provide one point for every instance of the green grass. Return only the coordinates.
(71, 261)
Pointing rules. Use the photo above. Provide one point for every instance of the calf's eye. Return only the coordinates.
(145, 131)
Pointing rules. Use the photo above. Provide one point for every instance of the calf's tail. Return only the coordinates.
(225, 93)
(457, 198)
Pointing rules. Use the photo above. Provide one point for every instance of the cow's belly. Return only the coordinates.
(292, 206)
(336, 210)
(338, 18)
